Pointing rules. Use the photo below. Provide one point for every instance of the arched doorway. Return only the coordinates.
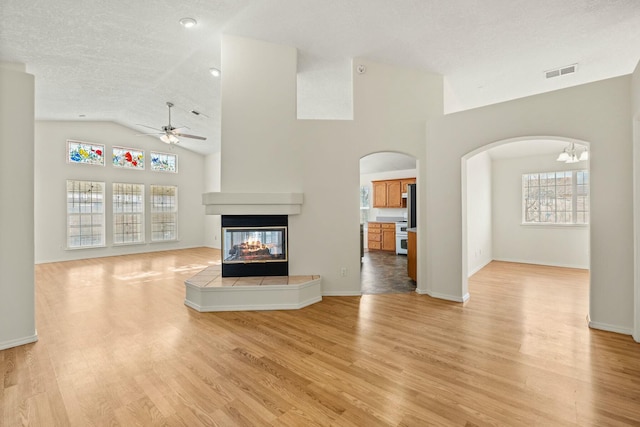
(521, 204)
(385, 210)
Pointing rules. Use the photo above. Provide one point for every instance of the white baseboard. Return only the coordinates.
(609, 328)
(342, 293)
(18, 341)
(446, 297)
(550, 264)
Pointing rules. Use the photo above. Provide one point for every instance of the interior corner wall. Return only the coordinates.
(52, 171)
(212, 225)
(545, 244)
(17, 281)
(598, 113)
(479, 212)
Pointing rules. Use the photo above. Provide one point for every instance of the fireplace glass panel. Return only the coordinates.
(254, 244)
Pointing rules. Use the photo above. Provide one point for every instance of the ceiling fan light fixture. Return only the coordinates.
(214, 72)
(165, 139)
(188, 22)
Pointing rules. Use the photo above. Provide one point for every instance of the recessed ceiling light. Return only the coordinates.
(214, 72)
(188, 22)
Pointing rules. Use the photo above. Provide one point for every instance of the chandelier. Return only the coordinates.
(573, 154)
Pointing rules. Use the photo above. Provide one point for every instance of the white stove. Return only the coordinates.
(401, 238)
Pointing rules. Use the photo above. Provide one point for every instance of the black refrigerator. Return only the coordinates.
(411, 206)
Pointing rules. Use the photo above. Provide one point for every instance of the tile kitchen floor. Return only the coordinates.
(385, 273)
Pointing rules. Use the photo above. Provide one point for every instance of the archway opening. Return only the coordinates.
(387, 210)
(521, 204)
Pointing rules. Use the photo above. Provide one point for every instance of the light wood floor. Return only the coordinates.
(118, 347)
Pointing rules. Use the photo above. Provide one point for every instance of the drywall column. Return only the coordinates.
(17, 302)
(212, 227)
(258, 94)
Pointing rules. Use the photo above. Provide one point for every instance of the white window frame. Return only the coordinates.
(85, 214)
(554, 202)
(128, 213)
(163, 202)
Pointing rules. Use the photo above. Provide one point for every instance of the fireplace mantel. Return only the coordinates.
(252, 203)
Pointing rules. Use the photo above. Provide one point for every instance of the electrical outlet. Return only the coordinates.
(343, 271)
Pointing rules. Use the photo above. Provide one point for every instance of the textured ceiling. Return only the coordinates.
(122, 60)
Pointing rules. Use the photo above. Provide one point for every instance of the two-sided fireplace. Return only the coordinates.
(254, 245)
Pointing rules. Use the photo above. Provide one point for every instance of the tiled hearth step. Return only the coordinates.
(209, 291)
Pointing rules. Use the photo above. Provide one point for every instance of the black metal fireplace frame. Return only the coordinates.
(250, 269)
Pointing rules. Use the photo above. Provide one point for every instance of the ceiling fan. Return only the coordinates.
(170, 134)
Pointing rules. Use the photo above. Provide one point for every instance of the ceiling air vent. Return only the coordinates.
(568, 69)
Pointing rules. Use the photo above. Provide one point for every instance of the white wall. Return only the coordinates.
(479, 212)
(212, 225)
(258, 101)
(563, 246)
(265, 149)
(598, 113)
(635, 117)
(17, 291)
(52, 171)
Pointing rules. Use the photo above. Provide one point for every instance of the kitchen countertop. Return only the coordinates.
(412, 230)
(389, 219)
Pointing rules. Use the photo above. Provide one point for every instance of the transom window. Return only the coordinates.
(85, 214)
(556, 197)
(128, 213)
(164, 213)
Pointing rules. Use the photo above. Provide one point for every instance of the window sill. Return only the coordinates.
(129, 244)
(84, 247)
(552, 225)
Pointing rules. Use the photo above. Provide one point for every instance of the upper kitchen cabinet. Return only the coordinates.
(379, 194)
(405, 182)
(388, 193)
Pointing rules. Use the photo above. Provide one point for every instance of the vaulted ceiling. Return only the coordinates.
(123, 60)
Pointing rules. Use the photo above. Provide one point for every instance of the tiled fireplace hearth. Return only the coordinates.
(253, 274)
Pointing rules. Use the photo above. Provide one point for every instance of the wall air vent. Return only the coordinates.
(567, 69)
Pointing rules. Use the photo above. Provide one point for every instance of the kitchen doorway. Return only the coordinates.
(387, 208)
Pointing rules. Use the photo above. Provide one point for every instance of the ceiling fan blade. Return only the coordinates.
(185, 135)
(146, 134)
(148, 127)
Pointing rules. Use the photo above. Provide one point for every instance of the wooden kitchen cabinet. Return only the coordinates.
(388, 193)
(412, 258)
(374, 236)
(405, 182)
(379, 194)
(389, 237)
(394, 194)
(381, 236)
